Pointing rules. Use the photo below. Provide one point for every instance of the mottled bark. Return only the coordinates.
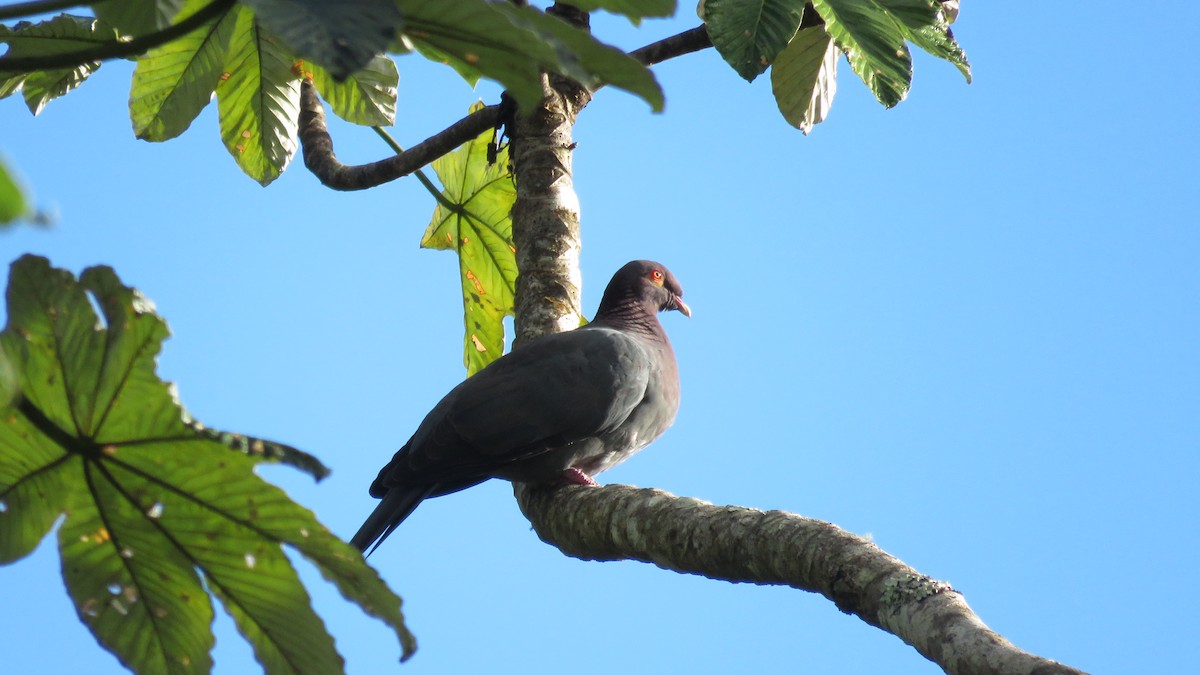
(546, 214)
(738, 544)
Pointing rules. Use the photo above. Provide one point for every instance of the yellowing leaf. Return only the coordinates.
(472, 218)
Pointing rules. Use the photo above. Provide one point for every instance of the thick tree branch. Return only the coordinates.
(321, 161)
(738, 544)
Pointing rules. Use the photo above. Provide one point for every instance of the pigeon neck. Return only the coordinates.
(629, 315)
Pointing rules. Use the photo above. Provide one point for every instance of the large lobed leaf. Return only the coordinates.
(472, 218)
(157, 509)
(62, 34)
(256, 77)
(514, 44)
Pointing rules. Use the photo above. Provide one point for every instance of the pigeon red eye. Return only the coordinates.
(656, 275)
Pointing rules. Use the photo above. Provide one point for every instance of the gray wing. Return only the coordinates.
(556, 390)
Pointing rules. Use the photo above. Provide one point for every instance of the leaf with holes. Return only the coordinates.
(158, 509)
(472, 217)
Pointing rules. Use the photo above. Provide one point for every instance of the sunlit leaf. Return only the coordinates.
(174, 82)
(750, 33)
(475, 222)
(64, 33)
(158, 511)
(13, 205)
(804, 78)
(258, 99)
(366, 97)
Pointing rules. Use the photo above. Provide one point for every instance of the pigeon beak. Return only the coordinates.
(680, 306)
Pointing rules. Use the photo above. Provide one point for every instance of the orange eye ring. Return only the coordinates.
(656, 275)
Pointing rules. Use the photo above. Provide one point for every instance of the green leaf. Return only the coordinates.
(873, 39)
(12, 206)
(473, 218)
(8, 384)
(804, 78)
(367, 97)
(750, 33)
(342, 36)
(586, 60)
(156, 511)
(138, 17)
(513, 45)
(634, 10)
(936, 38)
(259, 101)
(174, 82)
(63, 33)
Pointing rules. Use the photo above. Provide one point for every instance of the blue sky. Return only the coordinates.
(966, 327)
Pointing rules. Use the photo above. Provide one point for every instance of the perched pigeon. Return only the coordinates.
(558, 410)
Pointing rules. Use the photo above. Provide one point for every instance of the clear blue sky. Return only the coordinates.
(966, 327)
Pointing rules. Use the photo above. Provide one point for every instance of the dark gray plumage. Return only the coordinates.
(558, 410)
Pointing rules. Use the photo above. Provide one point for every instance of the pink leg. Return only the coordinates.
(573, 476)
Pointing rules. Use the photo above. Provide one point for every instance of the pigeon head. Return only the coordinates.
(642, 285)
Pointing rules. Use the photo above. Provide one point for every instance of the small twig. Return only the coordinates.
(429, 186)
(116, 49)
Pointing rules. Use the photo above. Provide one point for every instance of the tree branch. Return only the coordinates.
(321, 161)
(742, 545)
(688, 41)
(117, 48)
